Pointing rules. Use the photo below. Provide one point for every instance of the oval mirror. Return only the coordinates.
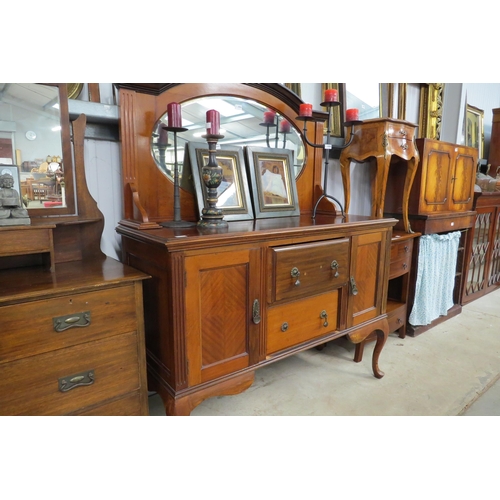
(242, 123)
(34, 136)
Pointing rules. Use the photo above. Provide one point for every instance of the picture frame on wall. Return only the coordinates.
(274, 191)
(233, 194)
(474, 128)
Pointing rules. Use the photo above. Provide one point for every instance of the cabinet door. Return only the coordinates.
(222, 336)
(436, 164)
(462, 182)
(368, 280)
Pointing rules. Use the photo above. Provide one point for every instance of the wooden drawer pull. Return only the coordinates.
(62, 323)
(77, 380)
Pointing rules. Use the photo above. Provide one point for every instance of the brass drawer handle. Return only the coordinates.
(62, 323)
(403, 132)
(324, 316)
(256, 312)
(354, 288)
(405, 265)
(407, 248)
(77, 380)
(335, 266)
(295, 273)
(404, 146)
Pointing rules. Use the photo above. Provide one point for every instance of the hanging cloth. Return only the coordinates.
(437, 263)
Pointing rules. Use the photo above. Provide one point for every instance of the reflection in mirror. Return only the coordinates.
(30, 137)
(365, 97)
(242, 123)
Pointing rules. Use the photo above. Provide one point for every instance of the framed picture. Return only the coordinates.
(14, 171)
(474, 129)
(233, 193)
(273, 183)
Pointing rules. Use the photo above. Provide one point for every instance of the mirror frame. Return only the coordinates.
(67, 155)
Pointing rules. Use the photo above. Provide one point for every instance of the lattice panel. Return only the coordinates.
(495, 255)
(477, 264)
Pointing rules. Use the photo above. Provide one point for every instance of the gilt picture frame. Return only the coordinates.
(274, 191)
(474, 129)
(234, 192)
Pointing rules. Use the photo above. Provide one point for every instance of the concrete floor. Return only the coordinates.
(451, 369)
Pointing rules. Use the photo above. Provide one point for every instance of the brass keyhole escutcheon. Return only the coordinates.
(335, 267)
(324, 316)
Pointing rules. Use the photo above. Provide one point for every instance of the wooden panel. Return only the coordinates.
(462, 192)
(367, 272)
(114, 363)
(219, 292)
(436, 181)
(27, 329)
(302, 320)
(313, 261)
(131, 405)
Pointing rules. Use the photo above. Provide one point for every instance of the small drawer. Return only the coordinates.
(397, 318)
(48, 384)
(307, 269)
(296, 322)
(400, 131)
(401, 253)
(25, 241)
(402, 147)
(399, 267)
(29, 328)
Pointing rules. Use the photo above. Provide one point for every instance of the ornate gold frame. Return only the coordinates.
(431, 110)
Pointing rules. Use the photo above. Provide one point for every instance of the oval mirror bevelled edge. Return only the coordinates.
(35, 136)
(243, 122)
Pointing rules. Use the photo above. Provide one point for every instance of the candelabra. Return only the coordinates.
(327, 146)
(177, 222)
(269, 123)
(212, 217)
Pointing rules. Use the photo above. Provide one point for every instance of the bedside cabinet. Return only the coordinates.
(397, 288)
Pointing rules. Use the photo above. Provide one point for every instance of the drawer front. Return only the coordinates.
(32, 386)
(27, 241)
(307, 269)
(28, 329)
(130, 405)
(401, 131)
(397, 318)
(296, 322)
(402, 147)
(401, 253)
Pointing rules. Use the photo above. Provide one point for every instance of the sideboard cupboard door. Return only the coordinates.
(222, 334)
(462, 182)
(368, 277)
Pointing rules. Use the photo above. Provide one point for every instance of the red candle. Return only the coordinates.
(213, 122)
(285, 126)
(269, 117)
(163, 135)
(331, 95)
(174, 115)
(351, 115)
(305, 110)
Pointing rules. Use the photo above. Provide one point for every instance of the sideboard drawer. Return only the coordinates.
(129, 405)
(295, 322)
(397, 318)
(33, 328)
(309, 268)
(401, 253)
(110, 368)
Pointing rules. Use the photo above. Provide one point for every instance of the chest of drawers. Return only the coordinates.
(72, 341)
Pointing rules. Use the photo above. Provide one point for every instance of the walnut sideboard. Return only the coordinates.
(220, 305)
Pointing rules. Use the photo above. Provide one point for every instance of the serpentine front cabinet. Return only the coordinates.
(220, 305)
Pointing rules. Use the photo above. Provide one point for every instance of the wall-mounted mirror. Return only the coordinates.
(241, 124)
(35, 136)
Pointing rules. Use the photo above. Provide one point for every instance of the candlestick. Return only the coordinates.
(213, 122)
(331, 95)
(305, 110)
(174, 115)
(212, 217)
(177, 222)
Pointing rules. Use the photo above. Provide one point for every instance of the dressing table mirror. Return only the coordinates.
(35, 135)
